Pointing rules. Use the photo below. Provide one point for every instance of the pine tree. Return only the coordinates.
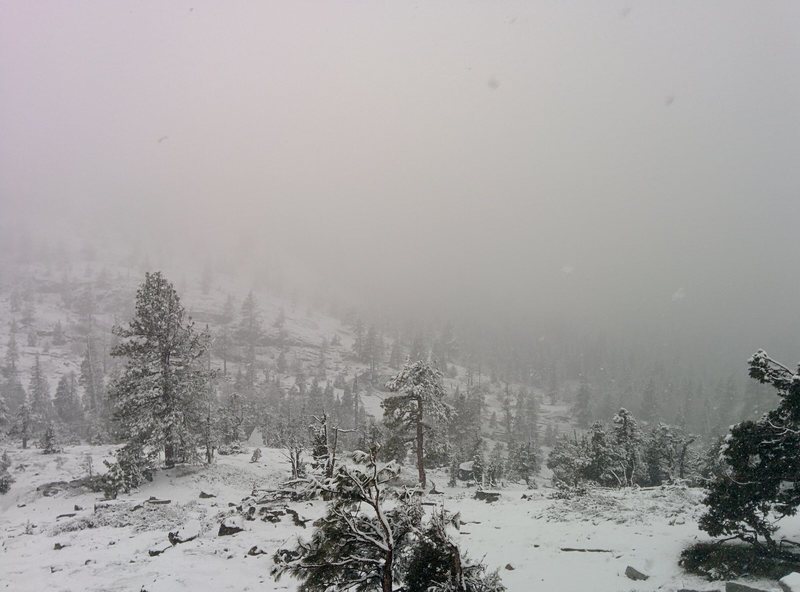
(23, 423)
(91, 379)
(628, 438)
(606, 464)
(13, 393)
(39, 390)
(12, 354)
(583, 411)
(358, 542)
(747, 499)
(568, 460)
(373, 351)
(59, 338)
(396, 355)
(418, 407)
(522, 460)
(418, 351)
(5, 413)
(48, 442)
(650, 403)
(67, 402)
(496, 470)
(359, 340)
(250, 334)
(5, 477)
(158, 397)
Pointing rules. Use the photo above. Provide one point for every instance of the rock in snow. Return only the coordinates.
(184, 534)
(231, 525)
(736, 587)
(790, 583)
(635, 574)
(487, 496)
(256, 550)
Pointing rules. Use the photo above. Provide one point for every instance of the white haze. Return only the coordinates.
(631, 167)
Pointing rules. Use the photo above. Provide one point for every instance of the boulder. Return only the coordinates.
(737, 587)
(790, 583)
(634, 574)
(296, 518)
(157, 550)
(204, 495)
(184, 534)
(509, 567)
(231, 525)
(256, 550)
(487, 496)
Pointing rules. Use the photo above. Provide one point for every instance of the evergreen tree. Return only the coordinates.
(628, 438)
(158, 397)
(359, 340)
(250, 335)
(418, 407)
(522, 460)
(12, 353)
(583, 411)
(59, 338)
(91, 379)
(5, 477)
(605, 460)
(23, 423)
(650, 403)
(761, 456)
(418, 351)
(5, 413)
(358, 543)
(13, 393)
(496, 469)
(396, 355)
(568, 460)
(39, 390)
(67, 401)
(48, 442)
(437, 565)
(373, 351)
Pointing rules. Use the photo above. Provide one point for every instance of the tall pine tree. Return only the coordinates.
(158, 398)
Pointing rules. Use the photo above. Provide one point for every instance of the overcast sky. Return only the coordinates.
(593, 160)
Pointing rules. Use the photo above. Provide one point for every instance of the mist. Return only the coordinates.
(626, 169)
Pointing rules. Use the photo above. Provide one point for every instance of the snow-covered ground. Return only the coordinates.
(105, 546)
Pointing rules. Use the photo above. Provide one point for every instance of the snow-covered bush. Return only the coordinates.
(131, 469)
(436, 564)
(763, 461)
(374, 537)
(5, 477)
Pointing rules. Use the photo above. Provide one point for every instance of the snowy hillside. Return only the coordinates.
(537, 541)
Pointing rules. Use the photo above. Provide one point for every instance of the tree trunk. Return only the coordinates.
(169, 452)
(386, 573)
(420, 446)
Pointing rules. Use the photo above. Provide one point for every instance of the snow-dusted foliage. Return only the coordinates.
(359, 539)
(763, 464)
(158, 397)
(623, 456)
(418, 406)
(375, 537)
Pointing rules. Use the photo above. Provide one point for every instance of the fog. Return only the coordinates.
(629, 167)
